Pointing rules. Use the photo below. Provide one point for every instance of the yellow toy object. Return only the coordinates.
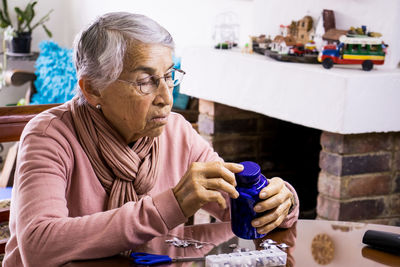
(21, 102)
(310, 46)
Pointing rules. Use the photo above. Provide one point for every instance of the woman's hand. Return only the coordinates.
(203, 183)
(277, 201)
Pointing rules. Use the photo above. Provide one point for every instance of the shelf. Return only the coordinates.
(344, 99)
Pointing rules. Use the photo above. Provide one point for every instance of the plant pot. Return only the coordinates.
(21, 43)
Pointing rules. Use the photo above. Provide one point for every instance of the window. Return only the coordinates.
(355, 48)
(363, 48)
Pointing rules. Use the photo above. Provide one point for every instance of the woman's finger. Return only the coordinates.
(233, 167)
(215, 196)
(221, 184)
(221, 169)
(273, 201)
(274, 187)
(273, 224)
(273, 214)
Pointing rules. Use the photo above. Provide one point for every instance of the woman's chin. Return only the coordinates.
(156, 131)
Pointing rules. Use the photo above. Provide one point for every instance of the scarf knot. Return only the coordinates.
(127, 174)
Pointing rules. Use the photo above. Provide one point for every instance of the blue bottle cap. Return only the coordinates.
(250, 173)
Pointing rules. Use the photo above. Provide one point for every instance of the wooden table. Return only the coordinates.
(312, 243)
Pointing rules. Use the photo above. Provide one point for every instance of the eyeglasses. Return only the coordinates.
(150, 84)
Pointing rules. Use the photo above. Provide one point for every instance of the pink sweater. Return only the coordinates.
(58, 205)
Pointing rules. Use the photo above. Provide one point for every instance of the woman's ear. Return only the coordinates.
(92, 95)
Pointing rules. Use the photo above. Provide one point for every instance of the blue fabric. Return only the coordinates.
(5, 192)
(180, 100)
(56, 75)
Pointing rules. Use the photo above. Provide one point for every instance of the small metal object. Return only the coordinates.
(185, 243)
(267, 243)
(282, 246)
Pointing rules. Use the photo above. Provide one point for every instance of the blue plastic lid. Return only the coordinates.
(250, 173)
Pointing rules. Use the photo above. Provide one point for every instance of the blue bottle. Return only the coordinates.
(250, 181)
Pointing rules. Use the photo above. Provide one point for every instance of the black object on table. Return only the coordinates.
(388, 242)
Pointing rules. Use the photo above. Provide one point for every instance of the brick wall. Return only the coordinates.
(360, 177)
(281, 148)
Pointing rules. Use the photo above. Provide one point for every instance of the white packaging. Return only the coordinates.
(272, 256)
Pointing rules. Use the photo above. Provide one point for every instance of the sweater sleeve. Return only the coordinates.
(46, 233)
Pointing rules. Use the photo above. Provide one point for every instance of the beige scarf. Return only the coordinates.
(125, 173)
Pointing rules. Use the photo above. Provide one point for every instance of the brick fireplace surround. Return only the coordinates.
(357, 178)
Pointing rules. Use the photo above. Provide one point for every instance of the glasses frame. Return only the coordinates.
(156, 79)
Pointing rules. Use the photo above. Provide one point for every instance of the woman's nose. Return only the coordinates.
(164, 93)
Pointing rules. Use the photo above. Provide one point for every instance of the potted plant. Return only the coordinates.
(22, 33)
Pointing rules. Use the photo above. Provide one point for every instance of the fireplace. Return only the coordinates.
(282, 149)
(351, 177)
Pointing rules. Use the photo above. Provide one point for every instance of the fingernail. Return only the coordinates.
(257, 208)
(263, 194)
(256, 223)
(239, 166)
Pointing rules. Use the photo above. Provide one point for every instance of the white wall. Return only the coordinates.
(191, 21)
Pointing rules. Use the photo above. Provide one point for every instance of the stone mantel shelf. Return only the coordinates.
(343, 100)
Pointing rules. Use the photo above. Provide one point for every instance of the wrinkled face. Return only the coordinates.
(132, 113)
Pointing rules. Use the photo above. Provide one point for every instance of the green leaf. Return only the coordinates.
(20, 19)
(33, 9)
(5, 9)
(28, 12)
(19, 11)
(42, 20)
(3, 22)
(47, 31)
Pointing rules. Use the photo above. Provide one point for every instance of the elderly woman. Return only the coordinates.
(114, 167)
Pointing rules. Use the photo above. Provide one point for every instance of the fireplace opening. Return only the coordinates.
(294, 156)
(281, 148)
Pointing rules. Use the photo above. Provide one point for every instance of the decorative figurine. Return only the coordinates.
(260, 44)
(226, 30)
(331, 34)
(295, 42)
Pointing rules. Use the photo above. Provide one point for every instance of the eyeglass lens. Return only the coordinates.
(172, 78)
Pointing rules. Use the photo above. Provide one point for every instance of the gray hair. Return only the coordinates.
(99, 50)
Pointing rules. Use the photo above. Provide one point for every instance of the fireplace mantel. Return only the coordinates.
(344, 99)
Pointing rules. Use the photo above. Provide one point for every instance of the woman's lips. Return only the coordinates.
(160, 119)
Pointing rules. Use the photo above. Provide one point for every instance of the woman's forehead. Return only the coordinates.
(147, 57)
